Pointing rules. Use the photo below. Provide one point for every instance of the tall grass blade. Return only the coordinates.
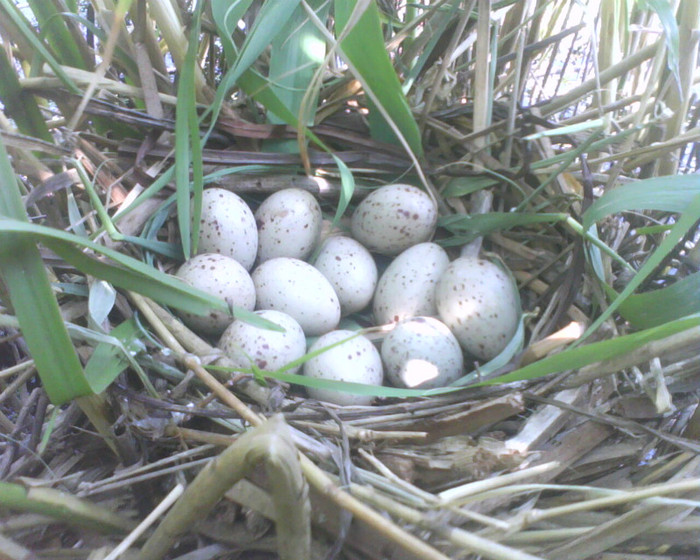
(294, 59)
(33, 302)
(27, 32)
(127, 272)
(21, 106)
(363, 45)
(188, 147)
(55, 30)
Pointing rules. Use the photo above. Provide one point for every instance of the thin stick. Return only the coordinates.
(131, 538)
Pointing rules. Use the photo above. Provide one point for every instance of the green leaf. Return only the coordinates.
(477, 225)
(188, 147)
(19, 105)
(650, 309)
(270, 20)
(664, 10)
(101, 301)
(363, 45)
(294, 59)
(28, 33)
(130, 274)
(462, 186)
(575, 358)
(675, 236)
(670, 194)
(54, 29)
(109, 360)
(32, 298)
(41, 323)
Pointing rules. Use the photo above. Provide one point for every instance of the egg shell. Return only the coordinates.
(227, 226)
(477, 300)
(351, 270)
(407, 287)
(269, 350)
(289, 225)
(298, 289)
(220, 276)
(356, 361)
(421, 352)
(394, 218)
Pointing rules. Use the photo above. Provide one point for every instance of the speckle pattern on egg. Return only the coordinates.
(297, 288)
(269, 350)
(407, 287)
(350, 269)
(227, 226)
(478, 301)
(356, 361)
(289, 224)
(220, 276)
(394, 218)
(422, 352)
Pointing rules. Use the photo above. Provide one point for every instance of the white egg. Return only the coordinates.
(220, 276)
(394, 218)
(247, 344)
(356, 361)
(477, 300)
(407, 287)
(298, 289)
(227, 226)
(422, 352)
(289, 225)
(350, 269)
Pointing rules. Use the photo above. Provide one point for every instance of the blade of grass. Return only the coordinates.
(62, 507)
(270, 21)
(294, 58)
(32, 299)
(56, 33)
(188, 147)
(21, 106)
(678, 232)
(23, 27)
(362, 44)
(130, 273)
(569, 359)
(472, 226)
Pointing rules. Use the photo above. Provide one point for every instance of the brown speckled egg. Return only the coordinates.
(394, 218)
(407, 287)
(247, 344)
(220, 276)
(477, 300)
(351, 270)
(422, 352)
(227, 226)
(289, 225)
(297, 288)
(355, 361)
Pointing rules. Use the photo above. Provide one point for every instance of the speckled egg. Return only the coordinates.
(289, 225)
(298, 289)
(220, 276)
(407, 287)
(422, 352)
(246, 344)
(355, 361)
(394, 218)
(227, 226)
(351, 270)
(477, 300)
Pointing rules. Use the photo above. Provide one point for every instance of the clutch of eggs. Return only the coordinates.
(437, 311)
